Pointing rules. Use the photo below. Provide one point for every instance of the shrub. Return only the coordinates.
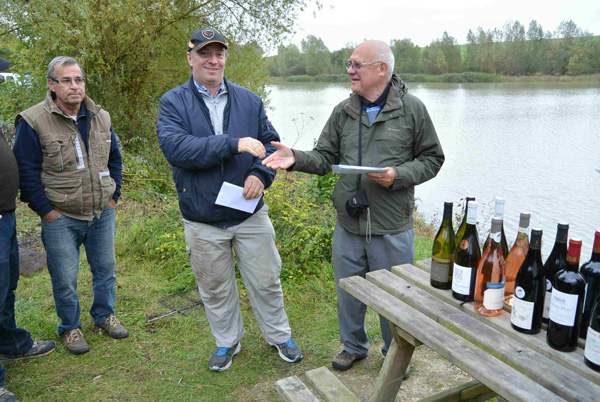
(299, 78)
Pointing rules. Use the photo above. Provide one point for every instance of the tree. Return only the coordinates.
(316, 56)
(290, 61)
(407, 56)
(134, 51)
(339, 58)
(472, 55)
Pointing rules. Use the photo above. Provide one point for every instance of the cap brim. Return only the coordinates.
(200, 46)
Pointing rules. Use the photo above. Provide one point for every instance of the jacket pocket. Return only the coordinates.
(65, 194)
(107, 186)
(55, 151)
(100, 142)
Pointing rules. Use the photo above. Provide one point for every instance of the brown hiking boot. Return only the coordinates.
(345, 360)
(74, 342)
(113, 328)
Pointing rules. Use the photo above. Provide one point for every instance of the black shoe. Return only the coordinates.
(345, 360)
(7, 396)
(221, 360)
(39, 349)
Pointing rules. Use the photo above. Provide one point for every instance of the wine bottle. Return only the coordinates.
(461, 229)
(530, 289)
(591, 274)
(592, 344)
(567, 302)
(516, 256)
(466, 258)
(489, 289)
(557, 260)
(498, 213)
(444, 245)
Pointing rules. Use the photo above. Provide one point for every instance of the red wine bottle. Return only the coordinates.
(530, 289)
(489, 288)
(466, 258)
(591, 273)
(498, 213)
(463, 226)
(516, 256)
(444, 245)
(566, 304)
(592, 344)
(557, 260)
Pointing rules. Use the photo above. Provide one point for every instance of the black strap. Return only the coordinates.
(359, 146)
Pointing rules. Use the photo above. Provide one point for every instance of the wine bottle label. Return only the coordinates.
(522, 313)
(440, 270)
(563, 308)
(592, 346)
(493, 296)
(547, 301)
(461, 279)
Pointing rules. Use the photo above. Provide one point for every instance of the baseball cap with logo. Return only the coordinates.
(204, 37)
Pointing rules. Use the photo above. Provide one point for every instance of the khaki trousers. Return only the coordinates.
(211, 256)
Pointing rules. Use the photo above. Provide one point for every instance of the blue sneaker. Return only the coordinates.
(221, 360)
(289, 351)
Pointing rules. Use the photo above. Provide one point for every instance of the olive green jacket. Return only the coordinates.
(402, 136)
(77, 182)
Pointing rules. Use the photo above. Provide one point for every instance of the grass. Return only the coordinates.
(167, 359)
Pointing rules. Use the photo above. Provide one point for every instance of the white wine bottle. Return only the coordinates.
(444, 244)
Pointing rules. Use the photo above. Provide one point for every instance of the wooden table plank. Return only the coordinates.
(292, 389)
(550, 374)
(490, 371)
(573, 360)
(329, 386)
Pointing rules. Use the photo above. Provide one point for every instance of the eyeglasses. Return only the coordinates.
(358, 65)
(67, 81)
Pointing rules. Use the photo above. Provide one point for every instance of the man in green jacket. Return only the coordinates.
(374, 228)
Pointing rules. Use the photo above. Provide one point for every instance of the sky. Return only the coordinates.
(341, 22)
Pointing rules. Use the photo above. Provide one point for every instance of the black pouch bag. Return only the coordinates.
(357, 204)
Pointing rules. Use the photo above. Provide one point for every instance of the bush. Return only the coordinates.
(299, 78)
(332, 78)
(304, 219)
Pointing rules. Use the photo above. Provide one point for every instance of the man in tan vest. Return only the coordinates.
(70, 167)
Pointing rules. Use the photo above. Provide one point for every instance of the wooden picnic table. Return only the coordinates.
(504, 362)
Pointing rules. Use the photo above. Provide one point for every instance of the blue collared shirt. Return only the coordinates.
(216, 105)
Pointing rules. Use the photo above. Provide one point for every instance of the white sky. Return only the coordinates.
(342, 21)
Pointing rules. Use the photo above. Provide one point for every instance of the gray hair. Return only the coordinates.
(61, 61)
(384, 53)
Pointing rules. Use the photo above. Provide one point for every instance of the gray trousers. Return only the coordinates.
(212, 260)
(352, 255)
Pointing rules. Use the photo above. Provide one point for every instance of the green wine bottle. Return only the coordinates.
(444, 244)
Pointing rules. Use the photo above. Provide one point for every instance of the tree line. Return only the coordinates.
(511, 50)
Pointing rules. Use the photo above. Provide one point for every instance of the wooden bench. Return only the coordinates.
(515, 366)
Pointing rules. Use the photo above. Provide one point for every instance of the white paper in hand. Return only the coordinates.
(231, 196)
(341, 169)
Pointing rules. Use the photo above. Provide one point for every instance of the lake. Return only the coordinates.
(536, 144)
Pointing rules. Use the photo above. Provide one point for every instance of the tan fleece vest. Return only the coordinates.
(77, 183)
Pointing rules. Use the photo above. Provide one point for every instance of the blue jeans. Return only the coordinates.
(13, 341)
(62, 239)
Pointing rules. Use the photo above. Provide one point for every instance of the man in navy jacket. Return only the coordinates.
(214, 132)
